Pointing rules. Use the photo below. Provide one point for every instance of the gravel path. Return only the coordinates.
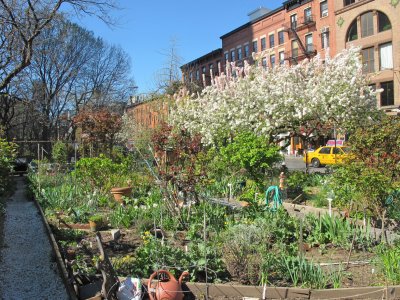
(27, 269)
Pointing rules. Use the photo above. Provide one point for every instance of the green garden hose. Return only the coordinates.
(392, 197)
(273, 194)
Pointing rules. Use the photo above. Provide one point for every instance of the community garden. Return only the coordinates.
(196, 187)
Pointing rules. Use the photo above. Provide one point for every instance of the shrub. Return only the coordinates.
(60, 152)
(389, 262)
(7, 157)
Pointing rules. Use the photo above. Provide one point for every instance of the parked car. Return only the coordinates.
(327, 155)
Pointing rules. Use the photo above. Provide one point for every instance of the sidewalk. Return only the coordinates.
(27, 267)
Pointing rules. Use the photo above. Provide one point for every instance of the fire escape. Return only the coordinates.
(307, 50)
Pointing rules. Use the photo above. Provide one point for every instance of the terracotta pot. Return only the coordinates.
(119, 192)
(93, 226)
(170, 289)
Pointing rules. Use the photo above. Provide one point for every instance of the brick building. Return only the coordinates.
(296, 30)
(300, 29)
(373, 25)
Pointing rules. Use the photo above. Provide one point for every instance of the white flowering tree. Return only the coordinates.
(299, 100)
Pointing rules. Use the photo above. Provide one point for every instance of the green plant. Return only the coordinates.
(338, 231)
(96, 219)
(153, 255)
(7, 157)
(103, 173)
(60, 152)
(125, 265)
(252, 153)
(122, 217)
(336, 277)
(246, 247)
(304, 273)
(388, 261)
(373, 171)
(203, 257)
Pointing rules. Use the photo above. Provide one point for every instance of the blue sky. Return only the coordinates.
(145, 30)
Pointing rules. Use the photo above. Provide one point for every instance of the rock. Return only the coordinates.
(115, 234)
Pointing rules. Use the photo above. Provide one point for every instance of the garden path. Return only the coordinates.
(27, 268)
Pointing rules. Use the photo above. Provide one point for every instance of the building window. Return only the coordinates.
(263, 44)
(293, 21)
(281, 37)
(367, 24)
(246, 51)
(281, 57)
(368, 60)
(218, 67)
(352, 34)
(272, 60)
(383, 22)
(307, 15)
(272, 41)
(387, 96)
(226, 56)
(325, 40)
(255, 46)
(233, 56)
(309, 43)
(386, 56)
(348, 2)
(197, 75)
(239, 51)
(203, 70)
(264, 62)
(211, 67)
(190, 76)
(295, 49)
(324, 8)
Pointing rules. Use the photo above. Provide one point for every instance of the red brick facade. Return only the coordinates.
(301, 28)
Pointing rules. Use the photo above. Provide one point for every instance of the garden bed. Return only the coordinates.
(219, 237)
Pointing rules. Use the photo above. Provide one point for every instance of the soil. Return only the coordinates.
(361, 270)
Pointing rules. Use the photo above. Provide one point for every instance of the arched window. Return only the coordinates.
(367, 24)
(352, 33)
(383, 22)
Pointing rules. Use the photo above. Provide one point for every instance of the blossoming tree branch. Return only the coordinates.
(281, 102)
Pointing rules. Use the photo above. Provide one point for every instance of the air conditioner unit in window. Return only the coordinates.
(324, 14)
(324, 29)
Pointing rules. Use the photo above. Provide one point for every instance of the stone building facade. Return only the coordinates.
(373, 25)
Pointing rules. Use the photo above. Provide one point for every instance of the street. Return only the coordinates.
(296, 163)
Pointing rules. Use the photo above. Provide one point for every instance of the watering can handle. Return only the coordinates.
(150, 290)
(184, 274)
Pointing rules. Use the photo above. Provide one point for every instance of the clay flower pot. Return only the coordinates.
(93, 225)
(119, 192)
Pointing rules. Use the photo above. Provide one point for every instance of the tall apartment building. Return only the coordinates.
(373, 25)
(302, 28)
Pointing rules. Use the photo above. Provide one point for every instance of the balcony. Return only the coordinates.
(296, 54)
(300, 24)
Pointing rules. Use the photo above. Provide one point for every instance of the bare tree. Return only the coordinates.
(169, 75)
(71, 69)
(22, 21)
(105, 77)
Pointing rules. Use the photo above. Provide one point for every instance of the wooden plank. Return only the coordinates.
(59, 260)
(378, 292)
(232, 291)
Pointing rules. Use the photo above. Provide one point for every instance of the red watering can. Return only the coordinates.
(166, 289)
